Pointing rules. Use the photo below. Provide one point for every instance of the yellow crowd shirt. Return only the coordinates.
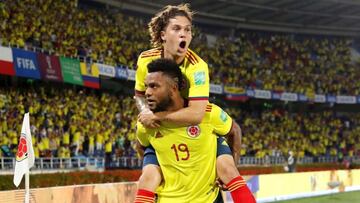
(187, 156)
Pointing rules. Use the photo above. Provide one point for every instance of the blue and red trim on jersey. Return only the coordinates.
(208, 108)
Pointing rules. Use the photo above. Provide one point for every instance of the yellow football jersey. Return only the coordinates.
(187, 157)
(194, 69)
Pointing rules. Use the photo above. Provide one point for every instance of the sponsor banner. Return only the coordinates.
(216, 89)
(250, 93)
(319, 98)
(234, 90)
(6, 61)
(262, 94)
(253, 183)
(287, 96)
(49, 67)
(26, 64)
(124, 192)
(131, 74)
(331, 98)
(345, 99)
(276, 95)
(122, 72)
(71, 70)
(106, 70)
(302, 97)
(278, 185)
(358, 99)
(90, 75)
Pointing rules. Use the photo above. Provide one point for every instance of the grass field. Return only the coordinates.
(345, 197)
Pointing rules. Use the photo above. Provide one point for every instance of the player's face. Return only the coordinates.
(177, 37)
(158, 93)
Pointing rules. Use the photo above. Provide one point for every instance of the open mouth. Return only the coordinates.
(150, 101)
(182, 44)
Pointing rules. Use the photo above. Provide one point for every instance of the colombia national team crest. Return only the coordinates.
(193, 131)
(22, 152)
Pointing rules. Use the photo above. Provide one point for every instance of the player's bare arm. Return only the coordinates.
(234, 140)
(191, 115)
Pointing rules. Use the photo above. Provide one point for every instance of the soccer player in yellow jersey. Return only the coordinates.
(170, 31)
(171, 34)
(186, 155)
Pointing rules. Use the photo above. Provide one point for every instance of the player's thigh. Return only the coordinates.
(151, 176)
(225, 164)
(222, 147)
(150, 157)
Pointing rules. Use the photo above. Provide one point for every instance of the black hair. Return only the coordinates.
(167, 67)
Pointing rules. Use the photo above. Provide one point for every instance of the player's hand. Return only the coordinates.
(148, 119)
(221, 185)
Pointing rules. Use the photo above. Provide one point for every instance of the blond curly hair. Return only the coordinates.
(159, 22)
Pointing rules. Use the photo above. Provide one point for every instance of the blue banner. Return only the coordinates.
(276, 95)
(250, 93)
(341, 99)
(287, 96)
(216, 89)
(253, 184)
(106, 70)
(331, 98)
(26, 64)
(121, 72)
(262, 94)
(302, 97)
(319, 98)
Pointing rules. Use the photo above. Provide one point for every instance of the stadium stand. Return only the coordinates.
(249, 59)
(68, 123)
(72, 122)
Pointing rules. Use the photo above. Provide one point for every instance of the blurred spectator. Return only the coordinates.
(290, 163)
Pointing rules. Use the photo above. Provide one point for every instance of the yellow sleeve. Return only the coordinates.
(220, 120)
(142, 135)
(140, 75)
(199, 82)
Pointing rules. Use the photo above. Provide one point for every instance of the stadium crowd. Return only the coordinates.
(271, 61)
(67, 122)
(274, 132)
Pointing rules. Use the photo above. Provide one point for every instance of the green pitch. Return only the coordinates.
(344, 197)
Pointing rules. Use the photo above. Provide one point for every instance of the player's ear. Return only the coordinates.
(174, 87)
(162, 35)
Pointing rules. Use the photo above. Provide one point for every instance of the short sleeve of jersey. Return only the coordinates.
(199, 82)
(220, 120)
(140, 75)
(142, 135)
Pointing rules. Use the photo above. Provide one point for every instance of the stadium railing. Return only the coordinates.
(7, 163)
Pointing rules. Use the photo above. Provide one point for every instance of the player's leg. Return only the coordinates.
(229, 174)
(150, 177)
